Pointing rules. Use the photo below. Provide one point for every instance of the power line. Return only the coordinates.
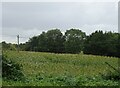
(14, 36)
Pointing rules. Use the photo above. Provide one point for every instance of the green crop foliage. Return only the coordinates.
(49, 69)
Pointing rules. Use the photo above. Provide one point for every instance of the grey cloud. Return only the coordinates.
(27, 18)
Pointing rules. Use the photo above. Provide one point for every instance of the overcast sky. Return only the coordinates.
(31, 18)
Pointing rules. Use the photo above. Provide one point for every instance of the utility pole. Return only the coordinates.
(18, 42)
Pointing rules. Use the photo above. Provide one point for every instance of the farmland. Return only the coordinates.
(50, 69)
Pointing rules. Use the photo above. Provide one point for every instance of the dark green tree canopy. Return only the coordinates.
(51, 41)
(74, 40)
(100, 43)
(55, 41)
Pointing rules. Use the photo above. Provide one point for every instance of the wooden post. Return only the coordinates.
(18, 42)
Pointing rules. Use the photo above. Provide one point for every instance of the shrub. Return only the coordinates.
(11, 70)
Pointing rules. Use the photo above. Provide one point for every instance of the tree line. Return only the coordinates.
(72, 41)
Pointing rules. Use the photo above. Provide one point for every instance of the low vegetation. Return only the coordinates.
(49, 69)
(11, 70)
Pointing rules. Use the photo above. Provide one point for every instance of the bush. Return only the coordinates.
(11, 70)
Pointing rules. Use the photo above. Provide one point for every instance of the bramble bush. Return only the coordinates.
(11, 70)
